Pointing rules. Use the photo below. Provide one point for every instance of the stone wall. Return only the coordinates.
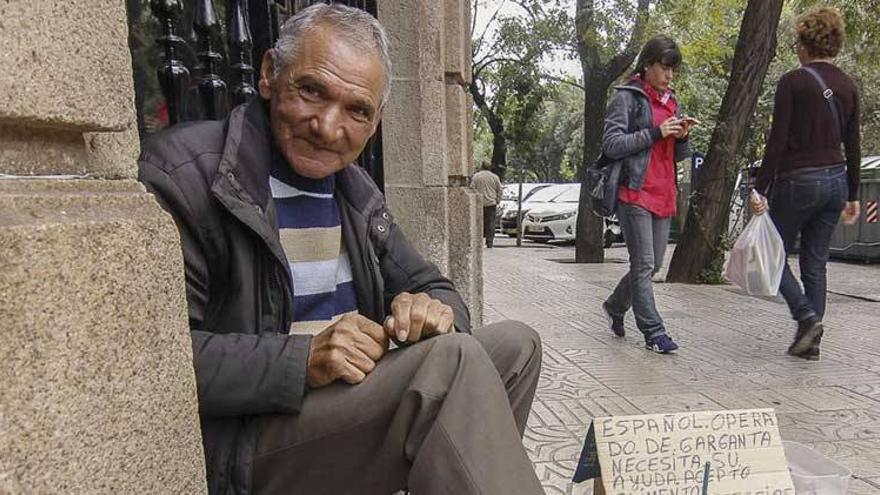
(98, 390)
(427, 136)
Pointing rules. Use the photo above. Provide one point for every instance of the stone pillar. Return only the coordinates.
(427, 136)
(98, 391)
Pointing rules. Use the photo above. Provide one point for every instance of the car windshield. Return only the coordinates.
(549, 193)
(511, 191)
(534, 191)
(572, 194)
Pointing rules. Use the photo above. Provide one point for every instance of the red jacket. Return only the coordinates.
(657, 194)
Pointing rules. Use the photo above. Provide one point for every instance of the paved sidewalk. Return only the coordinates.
(732, 356)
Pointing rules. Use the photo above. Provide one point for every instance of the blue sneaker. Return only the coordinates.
(615, 322)
(661, 344)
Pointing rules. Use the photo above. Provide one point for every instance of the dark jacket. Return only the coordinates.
(213, 177)
(630, 133)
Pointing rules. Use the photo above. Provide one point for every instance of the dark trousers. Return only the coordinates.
(489, 224)
(445, 415)
(808, 204)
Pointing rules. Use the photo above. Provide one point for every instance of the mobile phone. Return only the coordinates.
(689, 120)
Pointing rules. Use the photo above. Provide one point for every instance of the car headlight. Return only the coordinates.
(561, 216)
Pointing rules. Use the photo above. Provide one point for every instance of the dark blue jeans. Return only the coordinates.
(808, 204)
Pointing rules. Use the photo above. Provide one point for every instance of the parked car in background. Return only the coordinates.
(556, 220)
(509, 223)
(510, 195)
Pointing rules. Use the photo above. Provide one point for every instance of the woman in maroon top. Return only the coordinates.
(816, 110)
(643, 131)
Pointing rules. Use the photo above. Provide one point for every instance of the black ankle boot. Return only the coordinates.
(807, 339)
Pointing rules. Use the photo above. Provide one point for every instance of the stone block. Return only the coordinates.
(469, 142)
(457, 133)
(457, 38)
(98, 394)
(42, 151)
(67, 65)
(113, 155)
(414, 29)
(422, 215)
(45, 151)
(466, 248)
(414, 134)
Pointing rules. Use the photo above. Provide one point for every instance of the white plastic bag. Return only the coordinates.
(758, 257)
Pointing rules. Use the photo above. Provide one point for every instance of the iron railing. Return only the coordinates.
(223, 43)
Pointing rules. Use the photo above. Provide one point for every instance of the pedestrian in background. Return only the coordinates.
(489, 186)
(810, 180)
(643, 129)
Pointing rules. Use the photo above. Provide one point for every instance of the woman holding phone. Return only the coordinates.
(644, 130)
(814, 183)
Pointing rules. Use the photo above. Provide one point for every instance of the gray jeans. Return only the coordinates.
(442, 416)
(646, 237)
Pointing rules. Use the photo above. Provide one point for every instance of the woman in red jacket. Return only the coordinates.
(644, 131)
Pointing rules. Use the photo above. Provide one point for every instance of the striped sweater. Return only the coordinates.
(310, 229)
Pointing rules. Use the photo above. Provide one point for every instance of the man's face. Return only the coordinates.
(325, 105)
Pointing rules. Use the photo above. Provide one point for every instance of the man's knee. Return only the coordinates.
(458, 345)
(510, 338)
(521, 336)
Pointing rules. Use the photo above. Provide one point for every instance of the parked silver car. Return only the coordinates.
(509, 222)
(511, 193)
(556, 220)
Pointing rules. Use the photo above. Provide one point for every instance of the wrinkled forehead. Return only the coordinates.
(349, 55)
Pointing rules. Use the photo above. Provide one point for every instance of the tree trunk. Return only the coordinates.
(589, 246)
(496, 125)
(598, 77)
(499, 151)
(708, 214)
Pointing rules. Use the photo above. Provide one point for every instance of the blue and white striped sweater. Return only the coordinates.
(309, 225)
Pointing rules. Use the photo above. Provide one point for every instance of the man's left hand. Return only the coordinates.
(418, 316)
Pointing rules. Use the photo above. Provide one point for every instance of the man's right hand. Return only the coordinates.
(346, 350)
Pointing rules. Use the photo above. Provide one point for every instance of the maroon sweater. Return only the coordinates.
(802, 135)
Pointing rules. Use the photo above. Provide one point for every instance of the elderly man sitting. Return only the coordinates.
(297, 277)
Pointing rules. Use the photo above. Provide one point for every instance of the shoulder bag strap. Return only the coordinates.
(828, 94)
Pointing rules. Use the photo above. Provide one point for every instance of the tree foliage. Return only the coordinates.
(509, 86)
(608, 34)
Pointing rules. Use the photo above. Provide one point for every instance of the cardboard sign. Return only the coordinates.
(667, 454)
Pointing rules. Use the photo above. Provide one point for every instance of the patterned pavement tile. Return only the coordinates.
(870, 390)
(556, 479)
(856, 424)
(758, 398)
(826, 398)
(551, 444)
(860, 456)
(732, 356)
(670, 403)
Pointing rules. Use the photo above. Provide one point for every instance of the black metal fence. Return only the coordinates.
(196, 60)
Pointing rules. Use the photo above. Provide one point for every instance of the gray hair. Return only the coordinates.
(355, 26)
